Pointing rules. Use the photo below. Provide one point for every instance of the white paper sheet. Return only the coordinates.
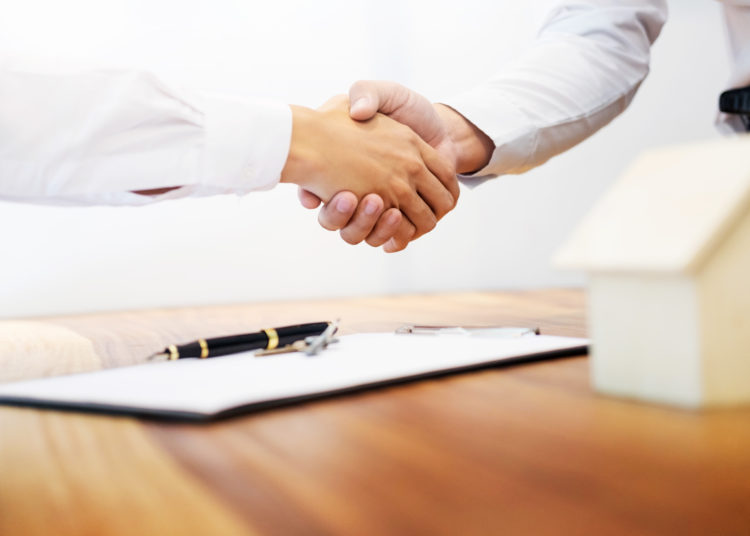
(200, 388)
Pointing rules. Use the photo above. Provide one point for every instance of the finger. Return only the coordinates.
(308, 199)
(435, 198)
(401, 239)
(418, 211)
(386, 227)
(364, 219)
(438, 184)
(338, 211)
(367, 97)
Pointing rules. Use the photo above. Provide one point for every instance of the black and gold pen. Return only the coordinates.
(266, 339)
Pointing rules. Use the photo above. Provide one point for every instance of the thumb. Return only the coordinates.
(364, 100)
(367, 97)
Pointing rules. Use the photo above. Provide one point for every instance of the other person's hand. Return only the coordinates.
(441, 126)
(330, 153)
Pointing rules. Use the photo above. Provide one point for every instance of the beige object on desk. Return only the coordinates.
(38, 349)
(668, 252)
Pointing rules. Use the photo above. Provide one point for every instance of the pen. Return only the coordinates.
(266, 339)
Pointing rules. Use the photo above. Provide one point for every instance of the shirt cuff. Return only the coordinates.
(507, 126)
(247, 143)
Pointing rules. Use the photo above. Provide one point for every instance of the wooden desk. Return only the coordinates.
(521, 450)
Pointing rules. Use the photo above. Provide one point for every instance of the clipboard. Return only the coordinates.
(202, 390)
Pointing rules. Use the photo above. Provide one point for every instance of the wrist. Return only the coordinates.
(473, 147)
(300, 167)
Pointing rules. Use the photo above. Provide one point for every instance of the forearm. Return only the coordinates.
(581, 72)
(97, 136)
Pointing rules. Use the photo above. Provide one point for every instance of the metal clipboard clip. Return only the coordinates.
(501, 332)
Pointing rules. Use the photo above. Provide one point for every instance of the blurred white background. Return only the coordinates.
(265, 246)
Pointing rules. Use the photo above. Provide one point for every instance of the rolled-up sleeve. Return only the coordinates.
(582, 71)
(97, 136)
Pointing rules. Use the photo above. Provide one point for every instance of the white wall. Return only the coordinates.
(265, 246)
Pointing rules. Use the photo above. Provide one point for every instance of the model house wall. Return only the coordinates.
(667, 251)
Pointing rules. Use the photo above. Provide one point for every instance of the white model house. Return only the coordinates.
(667, 251)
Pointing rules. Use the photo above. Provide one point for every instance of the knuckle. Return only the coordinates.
(425, 222)
(406, 233)
(413, 167)
(401, 189)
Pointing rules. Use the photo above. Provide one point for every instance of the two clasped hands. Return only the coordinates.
(383, 161)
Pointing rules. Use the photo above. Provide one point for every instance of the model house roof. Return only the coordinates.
(667, 213)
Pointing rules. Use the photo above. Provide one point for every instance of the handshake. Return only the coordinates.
(383, 161)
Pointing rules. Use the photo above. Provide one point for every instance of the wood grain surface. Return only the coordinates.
(527, 449)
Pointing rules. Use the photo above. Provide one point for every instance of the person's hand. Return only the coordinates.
(368, 97)
(370, 223)
(330, 152)
(444, 128)
(441, 126)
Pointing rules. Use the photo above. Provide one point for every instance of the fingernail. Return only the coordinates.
(392, 218)
(344, 205)
(359, 104)
(370, 208)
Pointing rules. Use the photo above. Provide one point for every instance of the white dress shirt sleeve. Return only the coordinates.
(96, 136)
(582, 70)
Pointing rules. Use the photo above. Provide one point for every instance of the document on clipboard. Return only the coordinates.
(204, 389)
